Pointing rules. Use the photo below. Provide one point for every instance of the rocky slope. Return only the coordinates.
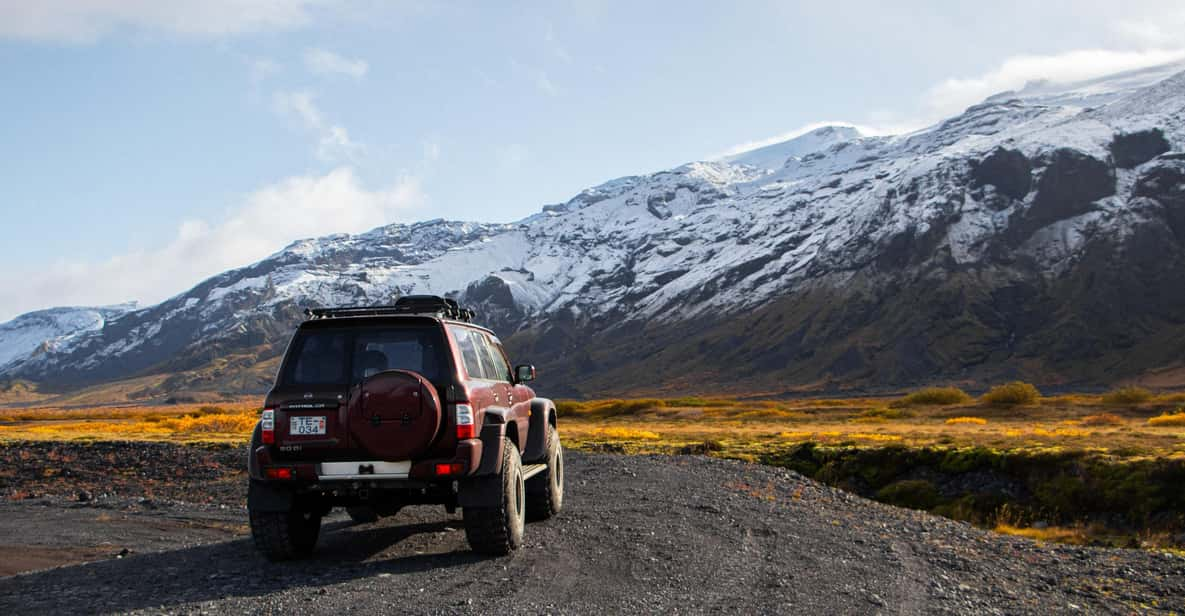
(1038, 234)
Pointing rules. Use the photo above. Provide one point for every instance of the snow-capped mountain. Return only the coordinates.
(1040, 233)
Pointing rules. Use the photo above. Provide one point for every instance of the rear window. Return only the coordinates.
(346, 356)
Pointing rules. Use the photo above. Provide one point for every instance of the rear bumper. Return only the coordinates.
(467, 460)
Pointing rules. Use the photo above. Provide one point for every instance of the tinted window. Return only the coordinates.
(493, 361)
(345, 356)
(469, 344)
(396, 349)
(320, 359)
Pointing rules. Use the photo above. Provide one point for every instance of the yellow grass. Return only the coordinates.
(1168, 419)
(625, 433)
(954, 421)
(1051, 533)
(225, 422)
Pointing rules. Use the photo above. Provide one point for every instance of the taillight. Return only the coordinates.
(453, 468)
(278, 473)
(267, 424)
(465, 427)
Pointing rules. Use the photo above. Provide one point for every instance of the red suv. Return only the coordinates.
(377, 408)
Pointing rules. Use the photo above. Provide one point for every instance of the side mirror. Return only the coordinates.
(524, 373)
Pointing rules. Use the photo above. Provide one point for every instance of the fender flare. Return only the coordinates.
(543, 414)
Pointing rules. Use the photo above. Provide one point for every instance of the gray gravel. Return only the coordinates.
(646, 534)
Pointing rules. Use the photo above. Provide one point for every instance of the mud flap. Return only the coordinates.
(492, 435)
(264, 497)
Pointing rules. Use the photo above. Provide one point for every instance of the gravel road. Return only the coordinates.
(649, 534)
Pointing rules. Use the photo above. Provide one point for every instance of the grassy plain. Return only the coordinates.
(1079, 468)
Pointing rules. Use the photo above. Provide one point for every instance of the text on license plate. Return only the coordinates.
(306, 425)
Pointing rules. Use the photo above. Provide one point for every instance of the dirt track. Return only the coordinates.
(638, 535)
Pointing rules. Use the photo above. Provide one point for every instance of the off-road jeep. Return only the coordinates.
(381, 407)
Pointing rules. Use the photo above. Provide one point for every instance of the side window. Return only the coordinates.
(469, 344)
(494, 361)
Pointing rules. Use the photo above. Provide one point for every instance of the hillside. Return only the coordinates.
(1039, 235)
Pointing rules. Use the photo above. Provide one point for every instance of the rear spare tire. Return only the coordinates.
(394, 415)
(496, 528)
(284, 535)
(545, 491)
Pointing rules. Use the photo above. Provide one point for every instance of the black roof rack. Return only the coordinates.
(408, 304)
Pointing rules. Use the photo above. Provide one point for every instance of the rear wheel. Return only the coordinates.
(545, 491)
(497, 528)
(284, 535)
(362, 514)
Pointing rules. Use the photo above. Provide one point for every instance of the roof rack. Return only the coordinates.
(406, 305)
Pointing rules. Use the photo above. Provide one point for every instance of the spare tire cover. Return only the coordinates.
(394, 415)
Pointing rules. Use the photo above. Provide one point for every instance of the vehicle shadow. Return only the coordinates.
(220, 570)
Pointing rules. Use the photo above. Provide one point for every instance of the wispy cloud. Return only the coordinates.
(511, 156)
(325, 62)
(262, 223)
(1164, 30)
(333, 140)
(956, 94)
(84, 21)
(537, 76)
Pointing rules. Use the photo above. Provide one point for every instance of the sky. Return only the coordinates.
(146, 145)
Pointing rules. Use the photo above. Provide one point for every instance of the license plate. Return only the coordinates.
(305, 426)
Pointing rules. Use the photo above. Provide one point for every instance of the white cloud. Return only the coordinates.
(1162, 31)
(325, 62)
(83, 21)
(954, 95)
(264, 222)
(334, 141)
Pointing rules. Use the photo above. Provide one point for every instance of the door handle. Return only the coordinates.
(510, 397)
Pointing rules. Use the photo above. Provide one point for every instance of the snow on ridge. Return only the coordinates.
(703, 236)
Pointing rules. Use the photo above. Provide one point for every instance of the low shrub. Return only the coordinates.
(1012, 394)
(911, 493)
(1102, 419)
(1168, 419)
(1127, 395)
(979, 421)
(936, 396)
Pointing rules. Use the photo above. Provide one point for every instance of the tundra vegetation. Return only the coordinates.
(1082, 468)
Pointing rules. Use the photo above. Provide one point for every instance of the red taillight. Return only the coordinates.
(279, 473)
(267, 425)
(465, 426)
(455, 468)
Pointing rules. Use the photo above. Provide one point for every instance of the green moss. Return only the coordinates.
(911, 493)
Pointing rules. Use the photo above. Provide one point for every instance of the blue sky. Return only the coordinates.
(146, 145)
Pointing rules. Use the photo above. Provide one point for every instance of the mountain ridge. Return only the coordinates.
(970, 250)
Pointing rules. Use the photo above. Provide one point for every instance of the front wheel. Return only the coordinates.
(545, 491)
(284, 535)
(496, 528)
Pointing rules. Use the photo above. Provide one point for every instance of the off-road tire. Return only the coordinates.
(497, 529)
(362, 514)
(285, 535)
(545, 491)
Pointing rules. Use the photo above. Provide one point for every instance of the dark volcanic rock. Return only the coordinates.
(1134, 149)
(1163, 184)
(1008, 170)
(1071, 183)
